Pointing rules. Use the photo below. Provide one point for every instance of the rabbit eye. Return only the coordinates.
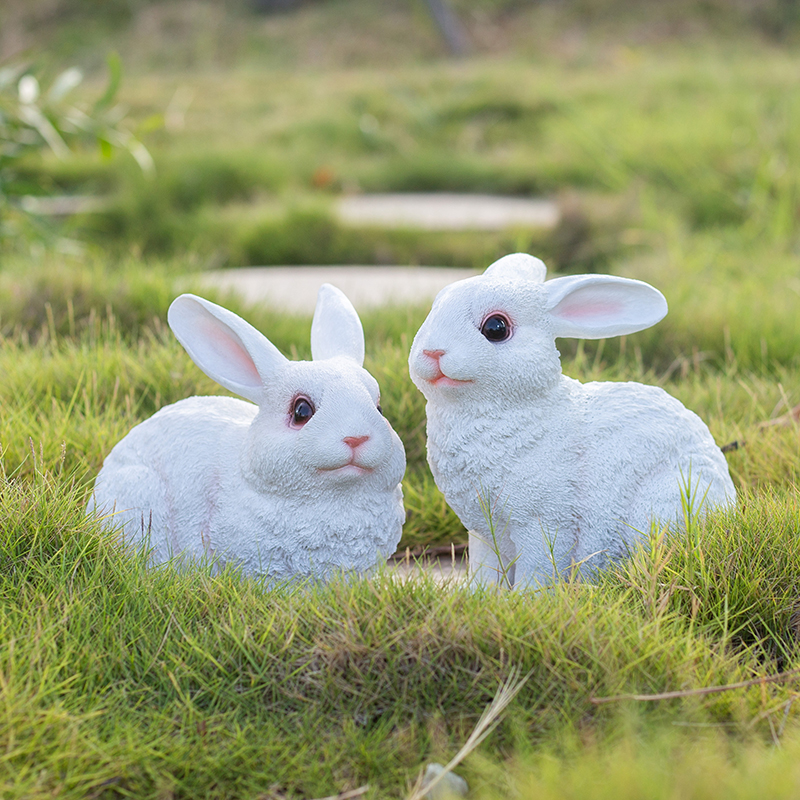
(496, 328)
(302, 410)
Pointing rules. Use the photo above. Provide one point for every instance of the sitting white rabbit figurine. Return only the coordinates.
(566, 472)
(306, 482)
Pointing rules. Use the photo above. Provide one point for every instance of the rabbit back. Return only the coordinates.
(160, 484)
(645, 458)
(647, 435)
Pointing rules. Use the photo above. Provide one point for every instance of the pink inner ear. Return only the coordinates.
(589, 309)
(237, 362)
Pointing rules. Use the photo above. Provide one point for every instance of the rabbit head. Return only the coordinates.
(319, 425)
(493, 336)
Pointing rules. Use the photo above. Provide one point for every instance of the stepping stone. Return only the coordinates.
(444, 211)
(445, 565)
(294, 289)
(63, 206)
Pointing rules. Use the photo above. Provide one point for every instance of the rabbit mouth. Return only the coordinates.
(446, 380)
(350, 468)
(440, 379)
(428, 367)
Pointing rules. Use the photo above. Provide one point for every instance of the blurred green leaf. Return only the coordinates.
(114, 79)
(152, 123)
(35, 118)
(65, 83)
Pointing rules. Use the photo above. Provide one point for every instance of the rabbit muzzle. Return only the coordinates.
(358, 458)
(428, 366)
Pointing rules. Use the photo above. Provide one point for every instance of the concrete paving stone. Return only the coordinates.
(443, 569)
(294, 289)
(447, 211)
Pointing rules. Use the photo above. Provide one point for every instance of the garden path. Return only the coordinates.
(447, 211)
(294, 289)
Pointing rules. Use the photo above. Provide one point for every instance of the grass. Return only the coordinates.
(688, 764)
(675, 164)
(668, 137)
(140, 682)
(610, 133)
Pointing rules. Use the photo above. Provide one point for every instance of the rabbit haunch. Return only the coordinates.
(566, 472)
(272, 490)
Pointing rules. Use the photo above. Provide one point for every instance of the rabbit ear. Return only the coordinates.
(598, 306)
(336, 329)
(519, 266)
(224, 346)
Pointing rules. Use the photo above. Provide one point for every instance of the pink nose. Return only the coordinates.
(355, 441)
(434, 354)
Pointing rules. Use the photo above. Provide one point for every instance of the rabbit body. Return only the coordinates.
(566, 472)
(243, 483)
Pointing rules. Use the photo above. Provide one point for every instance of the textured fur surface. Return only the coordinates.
(238, 482)
(566, 472)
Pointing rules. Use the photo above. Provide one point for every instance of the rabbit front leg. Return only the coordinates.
(492, 559)
(544, 555)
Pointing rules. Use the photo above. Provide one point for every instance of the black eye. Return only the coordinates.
(302, 411)
(380, 410)
(496, 328)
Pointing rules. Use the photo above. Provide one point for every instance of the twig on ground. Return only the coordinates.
(792, 417)
(781, 676)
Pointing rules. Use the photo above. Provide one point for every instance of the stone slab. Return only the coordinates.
(447, 211)
(294, 289)
(442, 569)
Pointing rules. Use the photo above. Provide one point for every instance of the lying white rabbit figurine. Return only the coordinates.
(306, 482)
(568, 472)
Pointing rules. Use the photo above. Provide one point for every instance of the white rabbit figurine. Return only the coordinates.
(567, 472)
(306, 482)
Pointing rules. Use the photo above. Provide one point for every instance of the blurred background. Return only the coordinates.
(215, 134)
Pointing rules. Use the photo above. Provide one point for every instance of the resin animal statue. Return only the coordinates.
(303, 480)
(544, 471)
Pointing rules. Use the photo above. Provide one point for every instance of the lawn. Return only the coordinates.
(668, 137)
